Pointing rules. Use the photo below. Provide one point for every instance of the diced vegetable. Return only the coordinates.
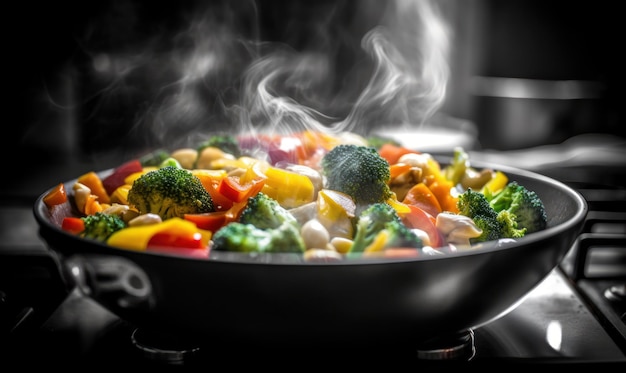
(56, 196)
(420, 219)
(420, 195)
(93, 182)
(392, 152)
(116, 179)
(178, 230)
(289, 188)
(73, 225)
(298, 175)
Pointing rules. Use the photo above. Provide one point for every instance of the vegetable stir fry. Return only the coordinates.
(325, 197)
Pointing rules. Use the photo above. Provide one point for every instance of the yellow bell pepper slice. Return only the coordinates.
(290, 189)
(137, 238)
(497, 182)
(335, 211)
(378, 244)
(130, 179)
(120, 195)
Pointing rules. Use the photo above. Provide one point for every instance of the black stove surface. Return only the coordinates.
(550, 326)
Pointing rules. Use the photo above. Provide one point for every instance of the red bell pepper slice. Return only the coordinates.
(73, 224)
(420, 219)
(212, 221)
(234, 189)
(116, 179)
(193, 241)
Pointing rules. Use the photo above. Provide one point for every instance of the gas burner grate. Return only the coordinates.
(596, 264)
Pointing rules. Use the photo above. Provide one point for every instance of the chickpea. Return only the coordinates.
(474, 179)
(322, 255)
(145, 219)
(342, 245)
(129, 215)
(116, 209)
(186, 157)
(420, 160)
(208, 155)
(314, 234)
(304, 212)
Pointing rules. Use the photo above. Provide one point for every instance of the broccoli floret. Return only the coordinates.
(263, 226)
(247, 238)
(228, 143)
(264, 212)
(380, 217)
(169, 192)
(100, 226)
(509, 226)
(170, 161)
(377, 141)
(526, 206)
(155, 158)
(358, 171)
(472, 203)
(399, 235)
(476, 206)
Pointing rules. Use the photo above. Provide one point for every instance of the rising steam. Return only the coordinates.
(217, 74)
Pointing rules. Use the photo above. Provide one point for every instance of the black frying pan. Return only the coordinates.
(279, 300)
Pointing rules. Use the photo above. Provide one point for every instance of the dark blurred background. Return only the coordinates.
(87, 79)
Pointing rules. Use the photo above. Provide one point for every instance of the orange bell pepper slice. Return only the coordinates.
(211, 180)
(393, 152)
(93, 182)
(56, 196)
(397, 169)
(235, 190)
(420, 195)
(92, 205)
(442, 189)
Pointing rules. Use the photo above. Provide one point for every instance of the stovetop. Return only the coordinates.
(575, 316)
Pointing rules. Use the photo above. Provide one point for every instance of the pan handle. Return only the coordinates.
(115, 282)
